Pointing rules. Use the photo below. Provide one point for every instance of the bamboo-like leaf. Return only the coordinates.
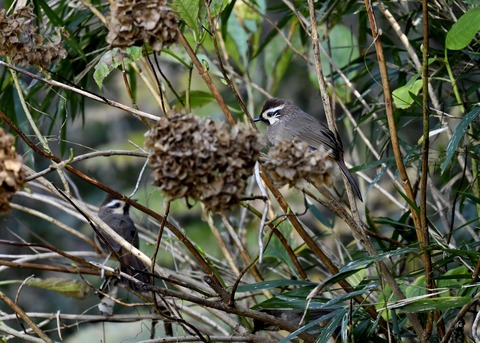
(457, 136)
(435, 304)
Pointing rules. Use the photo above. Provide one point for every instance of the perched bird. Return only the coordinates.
(288, 122)
(115, 213)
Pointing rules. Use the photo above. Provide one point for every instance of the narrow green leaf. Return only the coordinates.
(458, 135)
(327, 331)
(239, 37)
(464, 30)
(188, 11)
(71, 288)
(317, 213)
(273, 284)
(57, 21)
(435, 304)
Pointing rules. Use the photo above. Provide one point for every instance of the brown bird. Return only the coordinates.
(115, 213)
(288, 122)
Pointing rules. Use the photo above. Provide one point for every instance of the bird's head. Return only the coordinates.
(272, 111)
(114, 205)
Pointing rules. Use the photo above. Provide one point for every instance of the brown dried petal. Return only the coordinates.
(138, 22)
(12, 177)
(213, 161)
(289, 163)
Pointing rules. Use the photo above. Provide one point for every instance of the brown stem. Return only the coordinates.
(395, 143)
(391, 115)
(430, 283)
(326, 100)
(206, 77)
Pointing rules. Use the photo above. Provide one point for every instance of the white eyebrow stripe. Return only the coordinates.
(274, 109)
(113, 203)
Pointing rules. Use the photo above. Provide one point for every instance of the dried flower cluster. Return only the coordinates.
(21, 41)
(12, 176)
(135, 22)
(290, 162)
(202, 159)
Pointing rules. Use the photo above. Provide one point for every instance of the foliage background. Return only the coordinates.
(423, 241)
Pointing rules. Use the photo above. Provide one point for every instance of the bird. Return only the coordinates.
(286, 121)
(115, 213)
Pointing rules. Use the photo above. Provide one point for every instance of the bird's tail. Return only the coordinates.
(131, 265)
(350, 179)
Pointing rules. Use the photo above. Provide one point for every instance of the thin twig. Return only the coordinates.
(206, 77)
(25, 317)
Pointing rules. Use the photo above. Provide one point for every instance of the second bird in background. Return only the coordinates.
(115, 213)
(288, 122)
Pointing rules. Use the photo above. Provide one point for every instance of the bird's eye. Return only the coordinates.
(114, 204)
(272, 114)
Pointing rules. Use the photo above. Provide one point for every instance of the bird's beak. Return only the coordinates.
(258, 119)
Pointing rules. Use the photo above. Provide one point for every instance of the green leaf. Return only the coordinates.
(57, 21)
(217, 6)
(71, 288)
(188, 11)
(458, 135)
(464, 30)
(239, 37)
(112, 59)
(327, 331)
(197, 99)
(273, 284)
(319, 215)
(343, 44)
(435, 304)
(402, 96)
(361, 263)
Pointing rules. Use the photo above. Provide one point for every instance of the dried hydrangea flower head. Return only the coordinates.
(22, 42)
(12, 176)
(202, 159)
(291, 162)
(135, 22)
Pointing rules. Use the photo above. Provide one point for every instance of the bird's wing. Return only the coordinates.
(315, 134)
(127, 229)
(122, 225)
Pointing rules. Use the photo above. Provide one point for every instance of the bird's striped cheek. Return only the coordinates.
(273, 120)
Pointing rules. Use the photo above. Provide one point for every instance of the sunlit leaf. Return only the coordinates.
(402, 96)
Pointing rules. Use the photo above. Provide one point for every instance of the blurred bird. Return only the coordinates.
(115, 213)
